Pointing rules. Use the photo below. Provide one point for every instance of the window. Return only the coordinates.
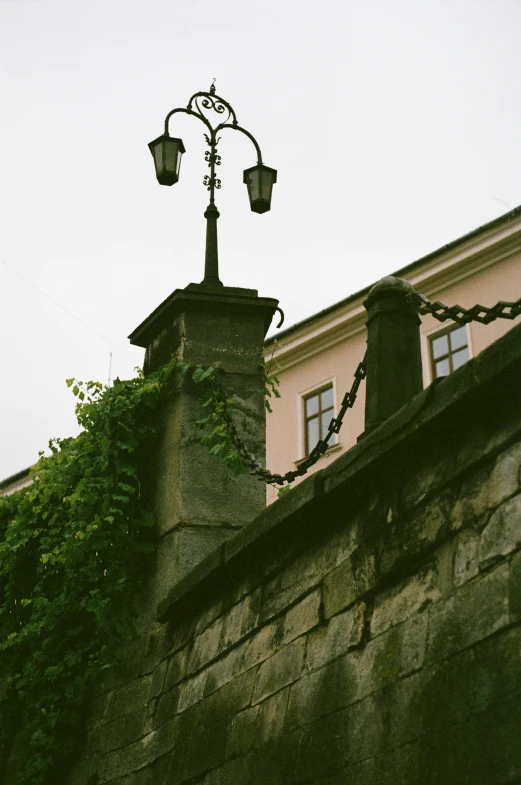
(318, 413)
(448, 351)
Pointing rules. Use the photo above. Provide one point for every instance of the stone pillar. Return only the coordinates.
(198, 502)
(394, 366)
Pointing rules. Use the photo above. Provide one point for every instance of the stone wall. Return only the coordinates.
(364, 629)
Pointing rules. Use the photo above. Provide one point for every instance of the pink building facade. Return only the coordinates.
(315, 359)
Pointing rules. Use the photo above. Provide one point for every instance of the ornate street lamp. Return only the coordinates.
(167, 152)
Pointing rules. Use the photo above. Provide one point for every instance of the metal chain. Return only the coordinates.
(255, 466)
(479, 313)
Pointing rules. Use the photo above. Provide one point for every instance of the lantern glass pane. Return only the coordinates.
(158, 157)
(255, 184)
(266, 185)
(171, 155)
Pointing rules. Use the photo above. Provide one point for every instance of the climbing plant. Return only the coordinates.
(72, 548)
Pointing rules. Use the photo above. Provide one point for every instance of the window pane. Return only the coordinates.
(326, 418)
(458, 338)
(460, 358)
(442, 368)
(311, 405)
(326, 398)
(440, 346)
(312, 426)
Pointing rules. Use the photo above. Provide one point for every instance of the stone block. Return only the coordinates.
(272, 717)
(323, 691)
(223, 704)
(166, 707)
(241, 619)
(158, 679)
(262, 645)
(176, 668)
(414, 643)
(180, 551)
(302, 617)
(342, 633)
(279, 670)
(243, 731)
(502, 534)
(466, 562)
(191, 691)
(401, 602)
(277, 599)
(347, 582)
(451, 692)
(514, 588)
(123, 762)
(489, 488)
(233, 772)
(209, 615)
(120, 732)
(206, 646)
(473, 612)
(380, 661)
(201, 751)
(224, 669)
(128, 698)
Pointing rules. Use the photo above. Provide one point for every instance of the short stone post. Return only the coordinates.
(198, 502)
(394, 367)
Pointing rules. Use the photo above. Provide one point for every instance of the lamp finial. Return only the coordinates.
(212, 87)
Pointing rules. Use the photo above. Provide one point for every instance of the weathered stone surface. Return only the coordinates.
(120, 732)
(324, 691)
(243, 732)
(430, 696)
(166, 707)
(414, 643)
(234, 771)
(241, 619)
(133, 757)
(176, 668)
(206, 645)
(466, 561)
(488, 489)
(191, 691)
(280, 670)
(272, 717)
(261, 645)
(514, 588)
(474, 611)
(502, 534)
(128, 698)
(277, 599)
(302, 617)
(158, 678)
(342, 633)
(180, 551)
(399, 603)
(349, 581)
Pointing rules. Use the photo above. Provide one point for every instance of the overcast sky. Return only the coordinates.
(395, 128)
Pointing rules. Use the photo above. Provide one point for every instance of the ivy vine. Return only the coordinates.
(72, 548)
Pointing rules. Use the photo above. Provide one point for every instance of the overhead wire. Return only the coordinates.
(70, 313)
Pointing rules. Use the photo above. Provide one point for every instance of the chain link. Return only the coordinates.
(441, 312)
(255, 466)
(478, 313)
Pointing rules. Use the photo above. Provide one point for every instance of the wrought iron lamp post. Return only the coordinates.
(167, 152)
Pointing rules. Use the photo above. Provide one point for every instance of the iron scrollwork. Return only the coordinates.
(203, 105)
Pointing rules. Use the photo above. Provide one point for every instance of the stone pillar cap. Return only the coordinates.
(200, 296)
(390, 283)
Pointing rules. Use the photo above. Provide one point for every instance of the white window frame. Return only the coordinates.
(301, 415)
(428, 376)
